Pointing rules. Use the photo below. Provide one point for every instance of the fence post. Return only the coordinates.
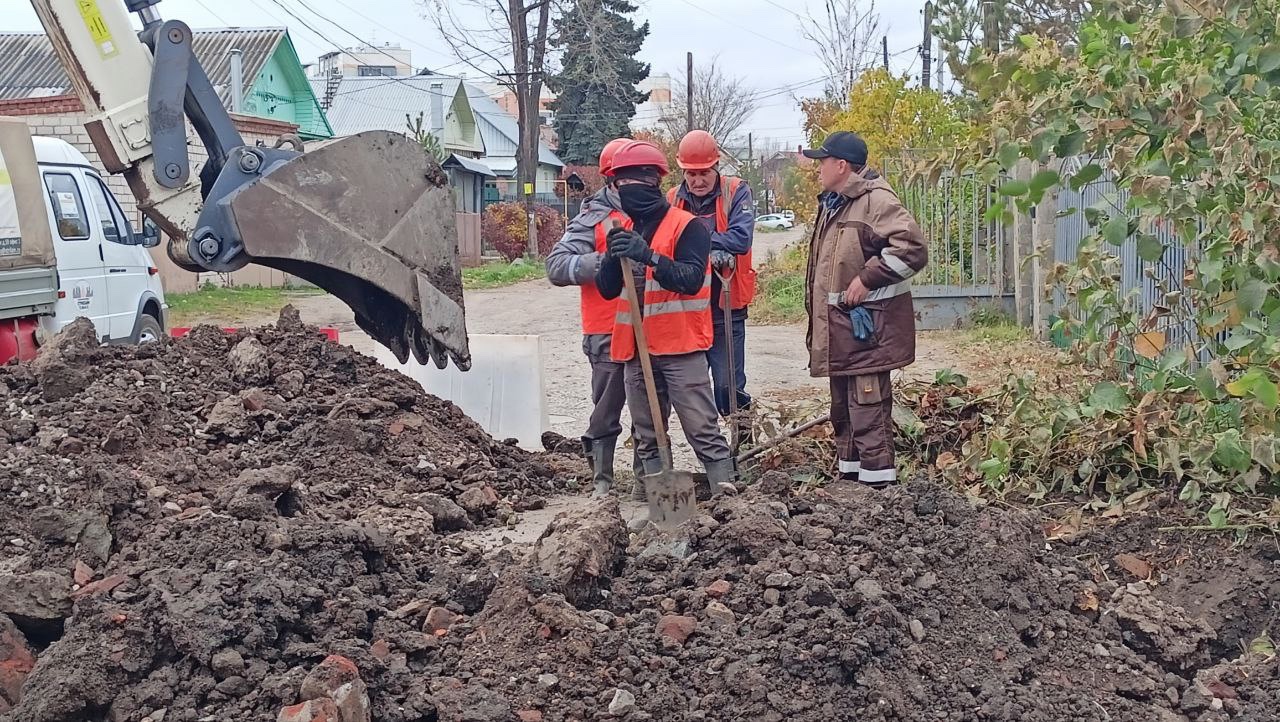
(1023, 249)
(1046, 234)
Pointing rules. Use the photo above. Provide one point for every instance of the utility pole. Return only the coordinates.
(926, 48)
(751, 154)
(990, 27)
(688, 92)
(884, 47)
(938, 74)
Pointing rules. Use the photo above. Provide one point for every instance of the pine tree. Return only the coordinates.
(596, 85)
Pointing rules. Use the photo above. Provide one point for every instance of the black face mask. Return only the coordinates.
(641, 201)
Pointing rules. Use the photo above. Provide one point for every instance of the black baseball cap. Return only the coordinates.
(843, 145)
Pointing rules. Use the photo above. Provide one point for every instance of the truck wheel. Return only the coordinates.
(149, 330)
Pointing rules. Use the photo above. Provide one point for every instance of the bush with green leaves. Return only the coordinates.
(1181, 106)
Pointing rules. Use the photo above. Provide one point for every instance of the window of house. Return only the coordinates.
(68, 206)
(376, 70)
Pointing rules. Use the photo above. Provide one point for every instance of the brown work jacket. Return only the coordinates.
(871, 235)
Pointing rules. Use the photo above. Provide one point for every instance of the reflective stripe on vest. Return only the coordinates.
(597, 311)
(742, 288)
(674, 324)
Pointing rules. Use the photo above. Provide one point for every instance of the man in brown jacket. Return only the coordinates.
(863, 252)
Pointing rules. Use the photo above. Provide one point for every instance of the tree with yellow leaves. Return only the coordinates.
(892, 117)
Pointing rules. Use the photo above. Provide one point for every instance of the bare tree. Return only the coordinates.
(845, 40)
(508, 45)
(721, 104)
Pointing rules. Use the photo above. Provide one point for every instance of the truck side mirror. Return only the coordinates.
(150, 233)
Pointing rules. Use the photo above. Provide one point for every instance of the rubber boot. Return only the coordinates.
(637, 486)
(637, 489)
(718, 472)
(602, 466)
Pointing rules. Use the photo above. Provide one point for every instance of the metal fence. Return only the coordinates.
(1144, 285)
(968, 256)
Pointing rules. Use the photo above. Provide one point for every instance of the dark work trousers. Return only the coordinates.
(718, 357)
(862, 415)
(682, 384)
(608, 396)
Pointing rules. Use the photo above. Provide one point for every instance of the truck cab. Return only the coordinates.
(75, 254)
(105, 271)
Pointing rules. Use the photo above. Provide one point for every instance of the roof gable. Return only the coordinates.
(501, 130)
(30, 69)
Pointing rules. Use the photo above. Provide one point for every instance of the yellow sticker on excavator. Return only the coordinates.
(98, 29)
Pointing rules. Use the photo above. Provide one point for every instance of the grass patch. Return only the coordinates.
(501, 273)
(999, 334)
(230, 305)
(780, 288)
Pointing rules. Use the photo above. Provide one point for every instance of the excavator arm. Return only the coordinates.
(368, 218)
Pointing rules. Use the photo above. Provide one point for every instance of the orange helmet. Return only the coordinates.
(636, 153)
(698, 151)
(606, 155)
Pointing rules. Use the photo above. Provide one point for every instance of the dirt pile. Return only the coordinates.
(267, 497)
(271, 527)
(848, 604)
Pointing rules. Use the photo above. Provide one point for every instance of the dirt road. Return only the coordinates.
(775, 354)
(537, 307)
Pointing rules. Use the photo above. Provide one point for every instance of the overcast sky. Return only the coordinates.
(756, 39)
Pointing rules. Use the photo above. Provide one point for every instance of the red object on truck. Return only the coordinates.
(18, 338)
(180, 331)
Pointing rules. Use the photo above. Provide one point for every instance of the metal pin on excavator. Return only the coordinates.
(368, 218)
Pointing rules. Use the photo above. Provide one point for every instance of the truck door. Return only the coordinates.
(82, 289)
(123, 258)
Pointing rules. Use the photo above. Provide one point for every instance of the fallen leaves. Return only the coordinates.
(1136, 566)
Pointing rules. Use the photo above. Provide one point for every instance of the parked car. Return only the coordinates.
(75, 254)
(774, 220)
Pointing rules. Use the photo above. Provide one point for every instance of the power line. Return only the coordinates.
(727, 21)
(397, 34)
(216, 16)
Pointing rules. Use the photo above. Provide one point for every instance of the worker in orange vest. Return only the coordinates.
(724, 205)
(575, 261)
(670, 253)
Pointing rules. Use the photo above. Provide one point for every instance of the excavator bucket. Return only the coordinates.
(370, 219)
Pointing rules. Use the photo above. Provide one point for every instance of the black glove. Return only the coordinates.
(723, 261)
(623, 243)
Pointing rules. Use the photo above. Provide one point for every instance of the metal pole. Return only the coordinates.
(237, 80)
(688, 92)
(884, 48)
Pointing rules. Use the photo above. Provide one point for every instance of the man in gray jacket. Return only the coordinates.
(573, 262)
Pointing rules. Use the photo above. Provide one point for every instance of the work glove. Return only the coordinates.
(863, 327)
(623, 243)
(723, 261)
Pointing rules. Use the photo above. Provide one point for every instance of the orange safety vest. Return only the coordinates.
(742, 287)
(598, 312)
(674, 324)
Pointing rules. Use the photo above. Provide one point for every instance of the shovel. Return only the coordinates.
(670, 492)
(726, 296)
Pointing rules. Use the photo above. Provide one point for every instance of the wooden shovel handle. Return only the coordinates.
(646, 366)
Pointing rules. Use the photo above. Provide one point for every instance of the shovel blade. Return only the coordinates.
(671, 499)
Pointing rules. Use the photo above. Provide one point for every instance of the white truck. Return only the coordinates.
(369, 218)
(67, 250)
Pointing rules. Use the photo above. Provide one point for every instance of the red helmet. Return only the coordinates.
(638, 153)
(606, 155)
(698, 151)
